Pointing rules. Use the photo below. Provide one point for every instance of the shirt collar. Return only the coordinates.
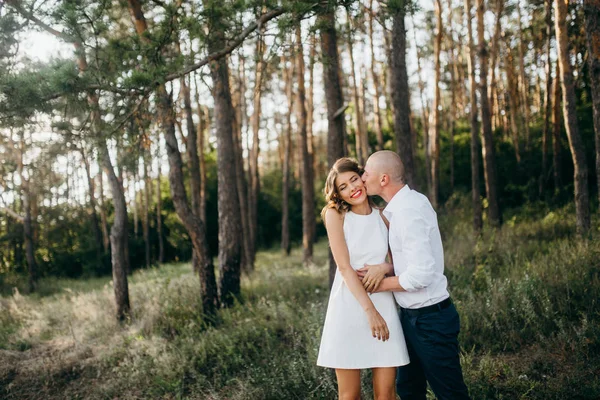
(396, 201)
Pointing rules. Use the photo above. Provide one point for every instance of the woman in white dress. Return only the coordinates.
(361, 330)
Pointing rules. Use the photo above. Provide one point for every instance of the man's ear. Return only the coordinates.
(385, 179)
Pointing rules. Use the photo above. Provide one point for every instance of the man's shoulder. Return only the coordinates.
(414, 201)
(415, 206)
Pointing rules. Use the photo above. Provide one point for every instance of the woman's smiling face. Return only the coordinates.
(351, 188)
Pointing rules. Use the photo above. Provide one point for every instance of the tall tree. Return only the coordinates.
(359, 126)
(375, 79)
(94, 214)
(434, 132)
(453, 68)
(229, 208)
(310, 108)
(288, 74)
(308, 190)
(582, 201)
(556, 130)
(192, 154)
(548, 96)
(237, 103)
(592, 30)
(146, 207)
(489, 157)
(159, 230)
(203, 120)
(513, 101)
(102, 206)
(333, 95)
(400, 90)
(27, 199)
(523, 81)
(254, 152)
(495, 49)
(475, 148)
(424, 109)
(192, 223)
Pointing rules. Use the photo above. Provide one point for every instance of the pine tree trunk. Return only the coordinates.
(375, 79)
(287, 145)
(118, 231)
(242, 187)
(95, 223)
(134, 200)
(548, 94)
(254, 152)
(494, 57)
(230, 251)
(308, 190)
(475, 148)
(361, 151)
(159, 231)
(523, 82)
(489, 157)
(387, 74)
(434, 133)
(310, 111)
(556, 131)
(192, 223)
(125, 233)
(451, 44)
(28, 238)
(592, 29)
(425, 111)
(203, 122)
(334, 98)
(513, 102)
(192, 157)
(103, 218)
(582, 205)
(400, 96)
(146, 211)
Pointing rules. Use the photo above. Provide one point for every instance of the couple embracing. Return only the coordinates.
(405, 347)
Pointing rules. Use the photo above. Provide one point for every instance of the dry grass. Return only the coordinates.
(527, 295)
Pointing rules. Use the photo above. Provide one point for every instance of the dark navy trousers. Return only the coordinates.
(432, 341)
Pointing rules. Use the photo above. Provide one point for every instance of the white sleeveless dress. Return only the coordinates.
(347, 342)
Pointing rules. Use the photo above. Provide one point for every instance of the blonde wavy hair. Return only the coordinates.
(332, 195)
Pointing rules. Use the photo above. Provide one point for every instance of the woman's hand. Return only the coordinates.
(372, 275)
(379, 328)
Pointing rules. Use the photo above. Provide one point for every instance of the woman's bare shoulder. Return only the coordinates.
(333, 216)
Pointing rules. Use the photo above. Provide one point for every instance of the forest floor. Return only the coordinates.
(528, 295)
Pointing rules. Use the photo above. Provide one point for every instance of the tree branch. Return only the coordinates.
(211, 57)
(13, 214)
(17, 6)
(229, 48)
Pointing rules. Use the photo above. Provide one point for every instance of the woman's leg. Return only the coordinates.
(384, 383)
(348, 384)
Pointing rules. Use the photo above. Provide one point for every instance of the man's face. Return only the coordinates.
(371, 179)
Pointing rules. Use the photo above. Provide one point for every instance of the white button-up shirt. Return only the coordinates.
(417, 251)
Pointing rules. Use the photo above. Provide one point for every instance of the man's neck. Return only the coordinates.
(390, 191)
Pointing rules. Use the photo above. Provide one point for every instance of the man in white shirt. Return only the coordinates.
(429, 320)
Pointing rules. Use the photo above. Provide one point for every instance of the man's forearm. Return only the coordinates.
(390, 284)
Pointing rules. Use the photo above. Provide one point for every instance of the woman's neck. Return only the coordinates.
(362, 209)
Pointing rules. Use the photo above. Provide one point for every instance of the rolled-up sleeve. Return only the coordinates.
(414, 230)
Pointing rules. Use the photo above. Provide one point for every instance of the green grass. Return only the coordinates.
(527, 295)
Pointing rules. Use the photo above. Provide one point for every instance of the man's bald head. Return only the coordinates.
(389, 163)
